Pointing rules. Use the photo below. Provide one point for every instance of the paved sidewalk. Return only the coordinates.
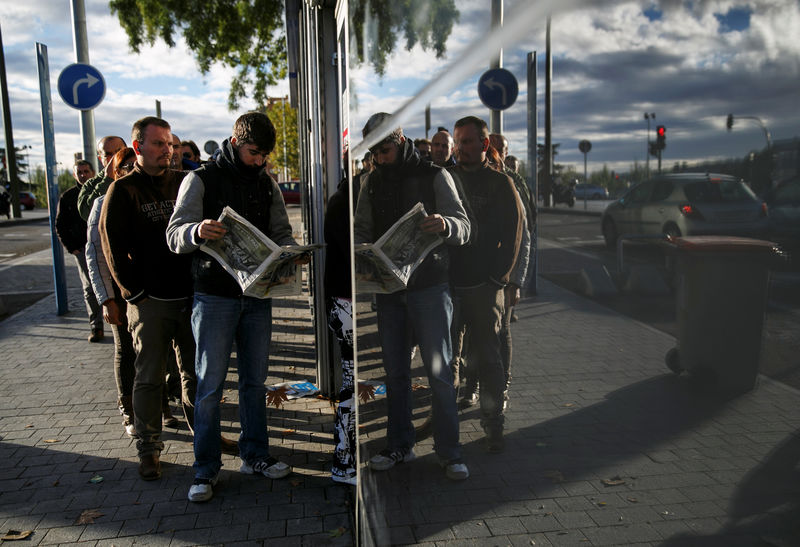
(604, 447)
(60, 432)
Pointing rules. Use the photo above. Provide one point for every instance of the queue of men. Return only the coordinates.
(180, 306)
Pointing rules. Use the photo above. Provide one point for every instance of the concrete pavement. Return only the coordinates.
(604, 447)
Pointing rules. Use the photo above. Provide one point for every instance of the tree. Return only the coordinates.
(284, 118)
(248, 34)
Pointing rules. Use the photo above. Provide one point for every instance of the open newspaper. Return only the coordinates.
(386, 265)
(261, 267)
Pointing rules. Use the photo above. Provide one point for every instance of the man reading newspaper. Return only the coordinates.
(422, 312)
(220, 312)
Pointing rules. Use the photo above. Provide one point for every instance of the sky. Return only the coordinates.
(690, 63)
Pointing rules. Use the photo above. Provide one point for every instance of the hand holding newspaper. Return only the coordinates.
(386, 265)
(262, 268)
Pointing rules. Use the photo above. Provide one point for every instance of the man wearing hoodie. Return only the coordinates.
(221, 314)
(156, 283)
(424, 311)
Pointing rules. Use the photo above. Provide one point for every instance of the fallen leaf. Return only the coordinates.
(88, 516)
(288, 431)
(223, 399)
(601, 503)
(337, 532)
(569, 404)
(296, 482)
(555, 476)
(96, 479)
(632, 500)
(277, 396)
(55, 483)
(613, 481)
(28, 426)
(541, 445)
(52, 441)
(366, 392)
(15, 535)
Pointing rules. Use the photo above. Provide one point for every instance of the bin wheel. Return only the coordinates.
(673, 361)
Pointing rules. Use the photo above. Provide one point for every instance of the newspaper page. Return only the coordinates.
(262, 268)
(386, 265)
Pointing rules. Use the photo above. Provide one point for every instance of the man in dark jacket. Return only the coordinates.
(220, 312)
(156, 283)
(423, 312)
(98, 184)
(480, 271)
(71, 231)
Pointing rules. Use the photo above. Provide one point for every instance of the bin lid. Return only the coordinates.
(727, 244)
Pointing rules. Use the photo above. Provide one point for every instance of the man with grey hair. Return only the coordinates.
(442, 149)
(97, 185)
(422, 312)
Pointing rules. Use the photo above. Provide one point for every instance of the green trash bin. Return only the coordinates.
(721, 300)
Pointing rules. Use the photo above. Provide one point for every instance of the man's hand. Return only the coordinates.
(77, 252)
(434, 224)
(511, 295)
(211, 229)
(111, 313)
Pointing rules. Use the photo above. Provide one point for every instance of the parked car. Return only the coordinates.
(686, 204)
(590, 191)
(27, 200)
(291, 192)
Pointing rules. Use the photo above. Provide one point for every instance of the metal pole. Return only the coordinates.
(81, 43)
(48, 135)
(548, 121)
(158, 109)
(496, 121)
(11, 155)
(647, 148)
(533, 169)
(585, 181)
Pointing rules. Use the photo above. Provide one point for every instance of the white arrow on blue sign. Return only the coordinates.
(81, 86)
(498, 88)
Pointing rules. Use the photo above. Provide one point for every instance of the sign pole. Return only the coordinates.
(48, 135)
(81, 43)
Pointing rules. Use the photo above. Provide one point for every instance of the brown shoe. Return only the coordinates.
(169, 419)
(97, 335)
(229, 446)
(149, 467)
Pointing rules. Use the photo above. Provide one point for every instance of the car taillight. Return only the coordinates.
(689, 211)
(764, 209)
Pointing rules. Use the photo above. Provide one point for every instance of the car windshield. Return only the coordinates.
(718, 191)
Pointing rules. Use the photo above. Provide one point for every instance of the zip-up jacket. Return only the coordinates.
(133, 223)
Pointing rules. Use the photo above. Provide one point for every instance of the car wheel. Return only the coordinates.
(672, 230)
(610, 233)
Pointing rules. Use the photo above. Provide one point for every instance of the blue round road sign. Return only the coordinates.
(81, 86)
(498, 88)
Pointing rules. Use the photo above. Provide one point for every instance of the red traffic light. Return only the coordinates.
(661, 131)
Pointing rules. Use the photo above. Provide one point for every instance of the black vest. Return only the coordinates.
(392, 198)
(252, 200)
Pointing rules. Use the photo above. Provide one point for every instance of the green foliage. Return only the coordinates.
(248, 35)
(376, 24)
(243, 34)
(284, 118)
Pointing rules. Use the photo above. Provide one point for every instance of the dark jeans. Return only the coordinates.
(481, 313)
(92, 307)
(124, 355)
(505, 343)
(154, 324)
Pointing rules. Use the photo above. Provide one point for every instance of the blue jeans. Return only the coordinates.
(216, 322)
(423, 316)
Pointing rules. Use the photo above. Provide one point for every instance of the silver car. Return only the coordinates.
(686, 204)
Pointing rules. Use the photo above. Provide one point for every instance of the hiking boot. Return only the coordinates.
(149, 467)
(270, 468)
(495, 443)
(202, 489)
(96, 336)
(387, 459)
(169, 419)
(455, 470)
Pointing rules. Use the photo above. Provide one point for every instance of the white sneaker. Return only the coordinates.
(456, 470)
(270, 468)
(130, 430)
(386, 459)
(352, 480)
(202, 489)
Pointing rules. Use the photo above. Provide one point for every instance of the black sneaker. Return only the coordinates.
(495, 443)
(387, 459)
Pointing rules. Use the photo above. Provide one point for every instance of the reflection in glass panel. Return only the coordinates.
(554, 435)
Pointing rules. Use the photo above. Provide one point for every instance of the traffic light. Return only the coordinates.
(729, 123)
(661, 137)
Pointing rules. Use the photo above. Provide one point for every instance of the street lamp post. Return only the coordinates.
(648, 117)
(767, 137)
